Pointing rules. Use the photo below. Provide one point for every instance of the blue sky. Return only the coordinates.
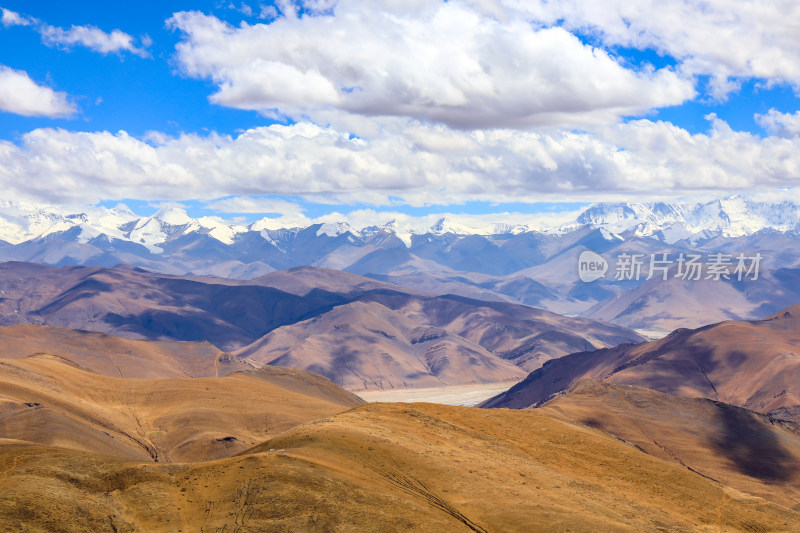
(314, 107)
(138, 94)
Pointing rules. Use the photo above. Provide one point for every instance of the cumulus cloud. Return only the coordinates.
(725, 39)
(435, 61)
(22, 96)
(407, 161)
(723, 159)
(780, 124)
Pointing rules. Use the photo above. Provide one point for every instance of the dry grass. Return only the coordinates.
(742, 449)
(385, 467)
(47, 400)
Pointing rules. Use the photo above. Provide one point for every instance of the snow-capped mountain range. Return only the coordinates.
(516, 258)
(733, 216)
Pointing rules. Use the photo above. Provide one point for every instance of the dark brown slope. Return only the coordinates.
(747, 451)
(387, 339)
(231, 314)
(135, 303)
(749, 364)
(303, 280)
(48, 400)
(117, 356)
(523, 335)
(479, 341)
(385, 467)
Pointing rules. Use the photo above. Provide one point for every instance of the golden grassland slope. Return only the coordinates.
(118, 356)
(48, 400)
(386, 467)
(755, 365)
(745, 450)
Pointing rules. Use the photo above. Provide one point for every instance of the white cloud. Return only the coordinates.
(435, 61)
(267, 12)
(405, 162)
(12, 18)
(22, 96)
(93, 38)
(725, 39)
(247, 204)
(670, 158)
(89, 36)
(780, 124)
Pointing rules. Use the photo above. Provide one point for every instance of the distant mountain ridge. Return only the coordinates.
(361, 333)
(518, 260)
(733, 216)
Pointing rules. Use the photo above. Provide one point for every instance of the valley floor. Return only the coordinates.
(465, 395)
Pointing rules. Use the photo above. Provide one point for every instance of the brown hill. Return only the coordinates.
(523, 335)
(134, 303)
(366, 346)
(117, 356)
(742, 449)
(749, 364)
(303, 280)
(48, 400)
(390, 339)
(385, 467)
(232, 314)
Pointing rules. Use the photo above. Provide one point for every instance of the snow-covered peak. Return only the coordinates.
(174, 216)
(733, 216)
(334, 229)
(451, 225)
(623, 217)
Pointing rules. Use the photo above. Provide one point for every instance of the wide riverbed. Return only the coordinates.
(467, 395)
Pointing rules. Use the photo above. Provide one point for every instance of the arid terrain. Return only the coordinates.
(748, 451)
(749, 364)
(360, 333)
(346, 266)
(386, 467)
(119, 356)
(467, 395)
(134, 434)
(49, 400)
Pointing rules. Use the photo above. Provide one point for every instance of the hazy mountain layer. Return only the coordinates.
(520, 262)
(361, 333)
